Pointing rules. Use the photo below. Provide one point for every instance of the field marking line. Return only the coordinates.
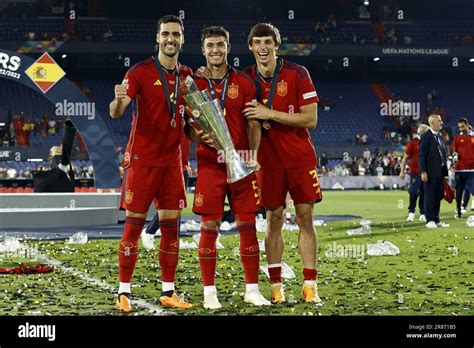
(156, 310)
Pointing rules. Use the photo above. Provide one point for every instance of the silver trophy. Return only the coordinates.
(208, 114)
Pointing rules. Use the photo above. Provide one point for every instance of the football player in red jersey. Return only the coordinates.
(416, 188)
(153, 170)
(462, 149)
(233, 89)
(148, 233)
(287, 108)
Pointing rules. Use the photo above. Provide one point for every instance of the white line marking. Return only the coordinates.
(156, 310)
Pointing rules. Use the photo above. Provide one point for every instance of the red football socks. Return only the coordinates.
(275, 274)
(208, 256)
(249, 252)
(128, 249)
(310, 274)
(169, 248)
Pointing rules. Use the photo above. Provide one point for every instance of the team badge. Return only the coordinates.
(198, 199)
(413, 180)
(129, 197)
(233, 91)
(282, 88)
(127, 247)
(253, 248)
(205, 251)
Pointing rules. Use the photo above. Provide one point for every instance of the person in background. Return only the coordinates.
(416, 189)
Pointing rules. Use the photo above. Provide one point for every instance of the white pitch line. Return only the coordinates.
(94, 281)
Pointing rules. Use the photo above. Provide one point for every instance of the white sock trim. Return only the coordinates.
(124, 287)
(167, 286)
(274, 265)
(310, 282)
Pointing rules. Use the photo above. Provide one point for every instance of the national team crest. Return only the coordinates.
(282, 88)
(205, 251)
(198, 199)
(253, 248)
(128, 197)
(233, 91)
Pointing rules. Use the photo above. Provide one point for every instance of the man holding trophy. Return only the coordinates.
(226, 168)
(287, 108)
(152, 162)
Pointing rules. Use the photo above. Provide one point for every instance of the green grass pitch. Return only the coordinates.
(433, 275)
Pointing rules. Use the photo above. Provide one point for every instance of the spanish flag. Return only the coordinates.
(45, 73)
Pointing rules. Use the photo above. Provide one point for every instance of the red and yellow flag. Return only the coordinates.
(45, 73)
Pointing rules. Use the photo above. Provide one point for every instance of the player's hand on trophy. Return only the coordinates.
(402, 175)
(120, 92)
(205, 138)
(203, 72)
(257, 111)
(253, 163)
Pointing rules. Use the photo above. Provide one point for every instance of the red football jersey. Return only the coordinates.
(153, 141)
(241, 89)
(284, 146)
(412, 151)
(185, 149)
(464, 146)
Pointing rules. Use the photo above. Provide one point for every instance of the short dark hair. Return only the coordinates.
(264, 29)
(464, 120)
(169, 19)
(214, 31)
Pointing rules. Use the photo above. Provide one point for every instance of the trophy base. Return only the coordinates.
(239, 176)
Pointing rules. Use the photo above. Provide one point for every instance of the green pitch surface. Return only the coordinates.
(433, 275)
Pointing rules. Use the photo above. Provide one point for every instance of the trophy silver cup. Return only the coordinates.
(208, 114)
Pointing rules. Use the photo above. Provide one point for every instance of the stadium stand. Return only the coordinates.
(353, 108)
(426, 32)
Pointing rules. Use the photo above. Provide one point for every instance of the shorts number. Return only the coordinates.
(314, 174)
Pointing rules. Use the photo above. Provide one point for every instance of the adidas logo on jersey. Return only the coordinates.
(157, 83)
(135, 157)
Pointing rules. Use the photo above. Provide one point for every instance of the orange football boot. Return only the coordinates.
(174, 302)
(123, 303)
(310, 293)
(278, 294)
